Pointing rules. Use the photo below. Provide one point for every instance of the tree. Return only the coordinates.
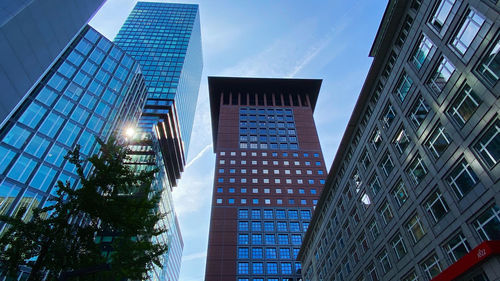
(114, 202)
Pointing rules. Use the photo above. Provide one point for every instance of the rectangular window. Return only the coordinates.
(385, 263)
(468, 31)
(398, 246)
(438, 142)
(417, 170)
(431, 266)
(415, 228)
(419, 111)
(376, 139)
(487, 224)
(436, 206)
(457, 247)
(374, 229)
(372, 272)
(488, 147)
(388, 116)
(441, 75)
(489, 68)
(441, 14)
(386, 164)
(243, 268)
(375, 184)
(403, 86)
(464, 105)
(401, 141)
(400, 193)
(243, 253)
(462, 179)
(421, 54)
(386, 213)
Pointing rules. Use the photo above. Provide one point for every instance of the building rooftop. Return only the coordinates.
(217, 85)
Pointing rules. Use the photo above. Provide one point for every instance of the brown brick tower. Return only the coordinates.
(269, 174)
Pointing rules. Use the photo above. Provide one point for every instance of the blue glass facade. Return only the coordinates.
(166, 40)
(93, 89)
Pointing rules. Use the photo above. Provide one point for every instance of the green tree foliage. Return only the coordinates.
(66, 238)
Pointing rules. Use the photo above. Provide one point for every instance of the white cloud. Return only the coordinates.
(194, 256)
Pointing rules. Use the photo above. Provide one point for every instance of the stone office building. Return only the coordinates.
(413, 192)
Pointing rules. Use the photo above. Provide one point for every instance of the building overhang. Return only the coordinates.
(481, 253)
(218, 85)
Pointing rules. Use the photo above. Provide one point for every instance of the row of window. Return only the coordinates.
(269, 239)
(273, 154)
(277, 181)
(266, 171)
(266, 201)
(266, 162)
(272, 226)
(270, 268)
(268, 253)
(274, 214)
(255, 190)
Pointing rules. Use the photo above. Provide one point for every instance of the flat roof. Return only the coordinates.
(218, 85)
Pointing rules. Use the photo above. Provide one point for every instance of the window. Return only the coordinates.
(404, 32)
(422, 52)
(272, 268)
(417, 170)
(386, 164)
(257, 253)
(384, 261)
(271, 253)
(296, 239)
(436, 206)
(243, 253)
(464, 105)
(365, 160)
(243, 268)
(488, 224)
(487, 146)
(243, 226)
(386, 213)
(489, 67)
(441, 14)
(282, 226)
(243, 214)
(243, 239)
(270, 240)
(376, 139)
(286, 268)
(374, 229)
(398, 246)
(462, 179)
(431, 266)
(388, 116)
(438, 142)
(441, 75)
(419, 111)
(457, 247)
(403, 86)
(400, 193)
(375, 184)
(415, 228)
(282, 239)
(468, 31)
(412, 276)
(257, 268)
(401, 141)
(372, 272)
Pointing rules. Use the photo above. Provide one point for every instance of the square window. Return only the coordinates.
(441, 14)
(403, 87)
(421, 53)
(468, 31)
(462, 179)
(464, 105)
(488, 146)
(419, 111)
(417, 170)
(489, 67)
(438, 141)
(441, 75)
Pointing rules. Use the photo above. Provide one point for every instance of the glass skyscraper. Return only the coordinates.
(92, 90)
(166, 40)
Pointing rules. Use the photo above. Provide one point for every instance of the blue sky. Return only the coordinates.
(329, 40)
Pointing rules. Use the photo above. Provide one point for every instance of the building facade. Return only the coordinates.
(269, 174)
(166, 40)
(414, 187)
(92, 90)
(33, 34)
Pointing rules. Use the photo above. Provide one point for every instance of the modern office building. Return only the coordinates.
(92, 90)
(33, 34)
(269, 174)
(166, 40)
(413, 192)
